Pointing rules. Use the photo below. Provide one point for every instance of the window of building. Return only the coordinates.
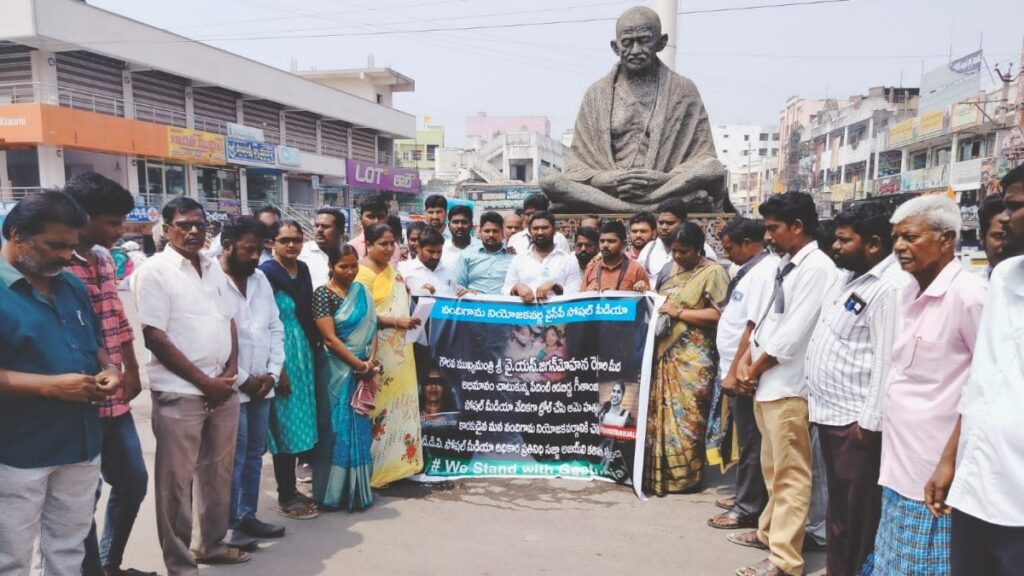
(23, 168)
(763, 136)
(775, 137)
(431, 152)
(918, 160)
(417, 155)
(725, 135)
(724, 151)
(746, 152)
(380, 98)
(762, 152)
(942, 156)
(971, 149)
(746, 137)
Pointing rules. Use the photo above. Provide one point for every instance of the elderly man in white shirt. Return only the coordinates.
(328, 229)
(428, 274)
(543, 269)
(985, 497)
(847, 365)
(260, 360)
(658, 252)
(187, 317)
(773, 370)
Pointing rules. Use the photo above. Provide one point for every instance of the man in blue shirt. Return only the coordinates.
(481, 269)
(54, 374)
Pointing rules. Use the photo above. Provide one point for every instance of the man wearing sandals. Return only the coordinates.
(260, 359)
(743, 241)
(847, 364)
(188, 321)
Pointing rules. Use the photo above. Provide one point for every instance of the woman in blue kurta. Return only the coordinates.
(347, 321)
(293, 411)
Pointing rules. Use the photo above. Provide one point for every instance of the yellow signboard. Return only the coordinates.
(930, 123)
(965, 114)
(202, 147)
(901, 133)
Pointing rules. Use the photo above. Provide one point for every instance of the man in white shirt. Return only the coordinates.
(658, 252)
(988, 514)
(542, 269)
(773, 370)
(328, 229)
(187, 317)
(428, 274)
(520, 241)
(435, 211)
(743, 241)
(260, 360)
(846, 367)
(460, 224)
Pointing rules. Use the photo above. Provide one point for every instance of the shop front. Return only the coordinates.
(399, 186)
(258, 160)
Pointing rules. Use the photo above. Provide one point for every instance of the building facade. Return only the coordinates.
(750, 154)
(190, 120)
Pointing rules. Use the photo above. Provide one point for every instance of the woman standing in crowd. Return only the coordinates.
(293, 412)
(347, 321)
(396, 419)
(684, 365)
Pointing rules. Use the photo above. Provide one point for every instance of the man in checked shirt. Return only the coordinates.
(847, 363)
(121, 463)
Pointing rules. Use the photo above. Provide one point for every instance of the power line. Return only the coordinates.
(467, 28)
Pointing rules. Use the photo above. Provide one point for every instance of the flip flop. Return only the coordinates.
(748, 539)
(229, 556)
(298, 510)
(762, 568)
(727, 503)
(732, 520)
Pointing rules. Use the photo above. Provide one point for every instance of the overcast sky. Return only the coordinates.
(745, 63)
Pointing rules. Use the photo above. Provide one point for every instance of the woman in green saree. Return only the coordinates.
(347, 321)
(684, 366)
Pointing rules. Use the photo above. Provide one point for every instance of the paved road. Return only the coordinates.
(482, 527)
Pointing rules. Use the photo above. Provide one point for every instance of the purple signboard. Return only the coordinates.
(370, 176)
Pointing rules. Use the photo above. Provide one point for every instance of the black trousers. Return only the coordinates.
(978, 547)
(751, 493)
(854, 496)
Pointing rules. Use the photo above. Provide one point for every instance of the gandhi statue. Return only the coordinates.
(642, 134)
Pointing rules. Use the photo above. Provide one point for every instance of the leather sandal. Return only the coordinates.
(727, 503)
(229, 556)
(732, 520)
(762, 568)
(748, 539)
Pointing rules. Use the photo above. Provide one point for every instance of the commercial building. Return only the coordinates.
(85, 89)
(503, 149)
(421, 152)
(750, 154)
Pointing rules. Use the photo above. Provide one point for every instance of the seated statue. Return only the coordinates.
(642, 134)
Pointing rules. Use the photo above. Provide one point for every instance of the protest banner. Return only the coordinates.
(557, 389)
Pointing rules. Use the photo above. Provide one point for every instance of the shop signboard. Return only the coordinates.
(370, 176)
(288, 156)
(901, 133)
(195, 145)
(966, 114)
(240, 132)
(934, 177)
(890, 162)
(500, 197)
(888, 185)
(967, 175)
(251, 153)
(930, 123)
(954, 82)
(143, 214)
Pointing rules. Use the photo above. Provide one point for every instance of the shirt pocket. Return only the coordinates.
(925, 360)
(848, 326)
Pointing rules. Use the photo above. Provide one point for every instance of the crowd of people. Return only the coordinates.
(869, 382)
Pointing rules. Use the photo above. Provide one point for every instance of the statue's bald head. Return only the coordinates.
(638, 39)
(638, 17)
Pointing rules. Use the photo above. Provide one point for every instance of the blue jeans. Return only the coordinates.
(253, 421)
(122, 467)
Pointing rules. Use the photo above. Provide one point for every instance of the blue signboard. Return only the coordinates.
(246, 152)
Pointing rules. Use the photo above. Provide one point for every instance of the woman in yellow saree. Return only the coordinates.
(684, 366)
(395, 421)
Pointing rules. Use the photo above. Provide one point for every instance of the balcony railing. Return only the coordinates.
(17, 193)
(305, 144)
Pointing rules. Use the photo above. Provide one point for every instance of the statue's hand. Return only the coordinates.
(650, 179)
(610, 181)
